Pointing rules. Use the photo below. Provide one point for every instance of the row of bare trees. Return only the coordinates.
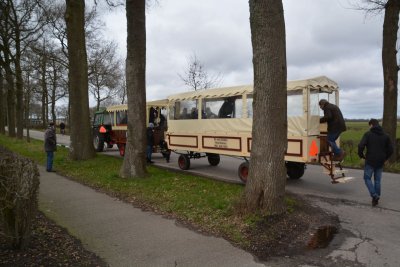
(34, 62)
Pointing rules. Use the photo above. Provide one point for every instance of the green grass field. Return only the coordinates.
(349, 142)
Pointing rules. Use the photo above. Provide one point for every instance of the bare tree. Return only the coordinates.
(134, 160)
(57, 86)
(104, 72)
(28, 70)
(81, 138)
(389, 62)
(196, 77)
(265, 188)
(122, 90)
(6, 63)
(25, 20)
(2, 104)
(42, 70)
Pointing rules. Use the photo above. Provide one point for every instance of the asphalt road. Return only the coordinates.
(314, 182)
(369, 237)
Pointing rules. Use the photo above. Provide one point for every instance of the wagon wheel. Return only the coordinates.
(243, 171)
(213, 159)
(184, 162)
(295, 170)
(121, 148)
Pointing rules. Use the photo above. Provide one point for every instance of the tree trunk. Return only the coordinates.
(81, 136)
(134, 160)
(390, 70)
(2, 105)
(98, 100)
(10, 101)
(44, 91)
(19, 87)
(27, 103)
(265, 188)
(53, 94)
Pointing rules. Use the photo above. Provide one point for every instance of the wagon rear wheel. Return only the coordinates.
(184, 162)
(243, 171)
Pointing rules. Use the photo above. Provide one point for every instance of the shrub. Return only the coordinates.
(19, 184)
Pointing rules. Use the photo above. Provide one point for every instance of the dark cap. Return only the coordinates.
(323, 102)
(373, 122)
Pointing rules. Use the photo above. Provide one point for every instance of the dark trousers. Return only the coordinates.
(50, 157)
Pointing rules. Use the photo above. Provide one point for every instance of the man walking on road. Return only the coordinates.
(50, 145)
(379, 149)
(336, 125)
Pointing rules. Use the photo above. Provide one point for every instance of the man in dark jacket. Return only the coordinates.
(150, 142)
(50, 145)
(336, 125)
(379, 149)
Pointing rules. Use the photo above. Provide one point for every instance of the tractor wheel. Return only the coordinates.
(98, 143)
(184, 162)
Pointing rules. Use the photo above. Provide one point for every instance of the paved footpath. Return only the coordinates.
(126, 236)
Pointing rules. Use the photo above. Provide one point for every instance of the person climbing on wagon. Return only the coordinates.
(336, 125)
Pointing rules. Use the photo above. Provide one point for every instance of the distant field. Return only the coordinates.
(349, 142)
(356, 130)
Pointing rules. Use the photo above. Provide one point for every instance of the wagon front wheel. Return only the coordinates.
(213, 159)
(184, 162)
(243, 171)
(295, 170)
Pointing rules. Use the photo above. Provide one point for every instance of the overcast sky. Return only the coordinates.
(323, 37)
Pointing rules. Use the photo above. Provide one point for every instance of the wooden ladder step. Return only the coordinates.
(344, 179)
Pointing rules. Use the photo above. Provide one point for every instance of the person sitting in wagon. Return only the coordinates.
(227, 108)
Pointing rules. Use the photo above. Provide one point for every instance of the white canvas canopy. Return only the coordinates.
(155, 103)
(321, 82)
(303, 123)
(117, 108)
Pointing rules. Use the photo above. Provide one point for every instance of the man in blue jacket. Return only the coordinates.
(379, 149)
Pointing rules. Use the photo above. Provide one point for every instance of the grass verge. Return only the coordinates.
(206, 204)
